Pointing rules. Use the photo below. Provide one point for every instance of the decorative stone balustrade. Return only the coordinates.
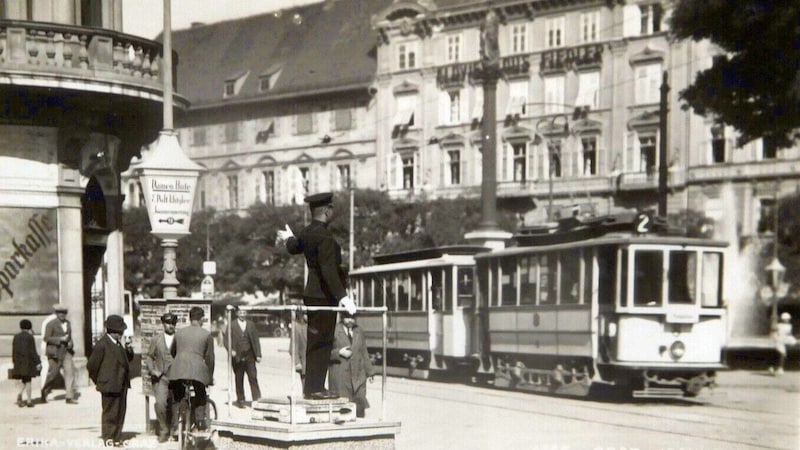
(34, 50)
(770, 168)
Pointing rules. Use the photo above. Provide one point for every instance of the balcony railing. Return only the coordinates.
(771, 168)
(33, 51)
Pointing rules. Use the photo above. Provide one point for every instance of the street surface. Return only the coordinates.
(749, 410)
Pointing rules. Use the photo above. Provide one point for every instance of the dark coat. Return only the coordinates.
(52, 334)
(25, 356)
(195, 357)
(236, 333)
(348, 376)
(326, 279)
(108, 366)
(159, 358)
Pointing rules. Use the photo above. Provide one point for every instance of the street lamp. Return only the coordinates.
(168, 178)
(777, 288)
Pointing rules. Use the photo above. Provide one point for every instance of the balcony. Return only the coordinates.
(768, 169)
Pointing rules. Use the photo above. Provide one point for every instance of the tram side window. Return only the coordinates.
(681, 277)
(466, 295)
(607, 275)
(508, 282)
(379, 291)
(403, 289)
(448, 290)
(391, 302)
(712, 280)
(570, 276)
(437, 300)
(647, 282)
(416, 291)
(527, 280)
(548, 267)
(588, 275)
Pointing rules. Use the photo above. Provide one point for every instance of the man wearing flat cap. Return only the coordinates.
(325, 286)
(109, 369)
(58, 336)
(158, 361)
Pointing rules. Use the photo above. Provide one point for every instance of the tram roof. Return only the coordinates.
(422, 258)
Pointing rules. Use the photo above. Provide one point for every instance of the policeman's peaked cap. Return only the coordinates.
(321, 199)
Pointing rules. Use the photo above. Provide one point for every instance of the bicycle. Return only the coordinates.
(188, 433)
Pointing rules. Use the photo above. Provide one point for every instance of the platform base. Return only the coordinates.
(281, 409)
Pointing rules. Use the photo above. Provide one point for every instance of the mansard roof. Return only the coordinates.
(330, 48)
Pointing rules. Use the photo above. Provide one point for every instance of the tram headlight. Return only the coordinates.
(677, 350)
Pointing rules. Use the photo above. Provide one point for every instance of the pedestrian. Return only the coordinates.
(26, 361)
(158, 361)
(782, 336)
(109, 369)
(325, 286)
(59, 352)
(245, 353)
(298, 344)
(350, 363)
(194, 363)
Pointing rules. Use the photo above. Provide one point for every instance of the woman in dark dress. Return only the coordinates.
(26, 360)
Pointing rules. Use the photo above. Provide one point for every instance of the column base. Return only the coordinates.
(81, 374)
(493, 239)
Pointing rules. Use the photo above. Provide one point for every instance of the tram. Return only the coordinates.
(597, 300)
(431, 300)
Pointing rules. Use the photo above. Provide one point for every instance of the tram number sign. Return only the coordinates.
(643, 223)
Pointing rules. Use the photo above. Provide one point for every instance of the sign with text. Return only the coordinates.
(150, 312)
(28, 260)
(169, 198)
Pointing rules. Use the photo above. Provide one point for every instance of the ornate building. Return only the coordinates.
(78, 100)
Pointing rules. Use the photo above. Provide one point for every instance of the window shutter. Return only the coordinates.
(444, 108)
(444, 166)
(277, 185)
(631, 20)
(417, 171)
(463, 107)
(477, 108)
(465, 178)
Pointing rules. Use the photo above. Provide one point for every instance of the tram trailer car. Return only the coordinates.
(602, 301)
(430, 296)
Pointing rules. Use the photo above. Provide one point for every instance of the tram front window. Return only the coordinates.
(647, 282)
(681, 277)
(712, 280)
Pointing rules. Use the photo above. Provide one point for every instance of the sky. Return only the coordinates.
(145, 17)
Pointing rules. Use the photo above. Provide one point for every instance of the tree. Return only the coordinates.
(755, 85)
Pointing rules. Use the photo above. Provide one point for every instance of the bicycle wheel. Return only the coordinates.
(184, 424)
(211, 411)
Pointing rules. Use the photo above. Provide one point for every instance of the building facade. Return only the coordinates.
(78, 100)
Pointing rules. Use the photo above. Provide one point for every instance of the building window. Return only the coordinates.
(404, 117)
(267, 82)
(233, 192)
(590, 26)
(269, 187)
(454, 157)
(718, 143)
(589, 147)
(519, 42)
(651, 18)
(199, 137)
(647, 154)
(768, 148)
(520, 159)
(305, 123)
(305, 177)
(408, 172)
(554, 151)
(406, 56)
(453, 48)
(648, 82)
(342, 119)
(588, 89)
(232, 132)
(230, 88)
(517, 98)
(554, 94)
(455, 106)
(555, 32)
(344, 176)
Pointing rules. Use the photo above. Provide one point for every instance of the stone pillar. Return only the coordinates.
(115, 273)
(70, 254)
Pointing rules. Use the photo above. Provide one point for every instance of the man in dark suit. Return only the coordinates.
(58, 336)
(325, 286)
(158, 361)
(194, 362)
(245, 353)
(109, 369)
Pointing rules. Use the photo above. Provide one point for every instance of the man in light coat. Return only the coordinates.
(158, 361)
(350, 363)
(58, 336)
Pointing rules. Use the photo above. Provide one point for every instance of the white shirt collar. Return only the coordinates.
(242, 324)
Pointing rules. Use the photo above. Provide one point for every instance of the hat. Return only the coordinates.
(321, 199)
(786, 316)
(25, 324)
(59, 308)
(114, 323)
(169, 318)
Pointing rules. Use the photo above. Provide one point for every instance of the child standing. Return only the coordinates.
(350, 363)
(26, 360)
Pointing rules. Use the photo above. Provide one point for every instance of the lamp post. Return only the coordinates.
(778, 287)
(169, 178)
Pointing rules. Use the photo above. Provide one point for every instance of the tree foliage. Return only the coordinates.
(755, 85)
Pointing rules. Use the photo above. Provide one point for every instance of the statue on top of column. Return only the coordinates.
(490, 50)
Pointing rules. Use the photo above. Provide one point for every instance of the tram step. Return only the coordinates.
(659, 393)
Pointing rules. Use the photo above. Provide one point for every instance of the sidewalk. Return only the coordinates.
(59, 425)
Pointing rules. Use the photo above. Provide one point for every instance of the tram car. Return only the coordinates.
(430, 297)
(602, 300)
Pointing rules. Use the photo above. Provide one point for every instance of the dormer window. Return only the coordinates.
(234, 83)
(268, 79)
(230, 88)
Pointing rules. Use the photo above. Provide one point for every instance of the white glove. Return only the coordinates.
(285, 233)
(348, 304)
(345, 352)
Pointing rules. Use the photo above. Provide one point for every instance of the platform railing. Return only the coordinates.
(295, 309)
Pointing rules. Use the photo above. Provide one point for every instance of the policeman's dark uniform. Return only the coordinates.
(325, 286)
